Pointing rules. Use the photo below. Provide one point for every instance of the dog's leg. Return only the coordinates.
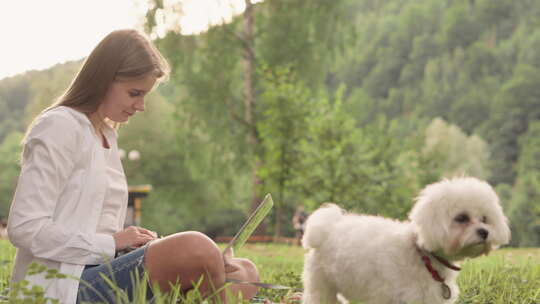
(317, 289)
(320, 295)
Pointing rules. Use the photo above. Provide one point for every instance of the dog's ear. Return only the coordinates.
(500, 226)
(430, 217)
(504, 232)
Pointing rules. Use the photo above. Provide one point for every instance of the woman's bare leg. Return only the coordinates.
(184, 258)
(187, 256)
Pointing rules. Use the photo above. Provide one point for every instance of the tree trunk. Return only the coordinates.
(248, 61)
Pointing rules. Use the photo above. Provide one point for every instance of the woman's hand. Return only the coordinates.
(133, 237)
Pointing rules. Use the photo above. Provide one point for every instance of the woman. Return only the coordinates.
(70, 203)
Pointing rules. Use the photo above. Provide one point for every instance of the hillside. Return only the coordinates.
(360, 103)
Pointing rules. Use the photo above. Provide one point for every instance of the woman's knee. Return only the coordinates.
(185, 257)
(202, 250)
(191, 244)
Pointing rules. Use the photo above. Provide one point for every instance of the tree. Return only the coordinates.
(48, 86)
(177, 160)
(524, 210)
(10, 150)
(460, 27)
(286, 107)
(495, 15)
(458, 153)
(341, 163)
(516, 105)
(248, 62)
(14, 95)
(227, 58)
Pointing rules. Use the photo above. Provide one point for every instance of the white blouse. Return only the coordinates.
(116, 195)
(58, 202)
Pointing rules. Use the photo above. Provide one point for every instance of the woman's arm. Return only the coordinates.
(49, 158)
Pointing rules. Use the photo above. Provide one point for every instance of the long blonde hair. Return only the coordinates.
(121, 55)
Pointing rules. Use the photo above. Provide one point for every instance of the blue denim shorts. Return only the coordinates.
(127, 274)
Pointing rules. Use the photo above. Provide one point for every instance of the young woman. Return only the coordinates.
(69, 207)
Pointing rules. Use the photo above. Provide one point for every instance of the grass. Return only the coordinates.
(7, 252)
(507, 276)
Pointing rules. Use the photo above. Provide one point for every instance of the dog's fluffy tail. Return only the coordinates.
(318, 224)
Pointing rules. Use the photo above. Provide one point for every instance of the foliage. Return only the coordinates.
(524, 215)
(179, 179)
(22, 292)
(14, 95)
(517, 106)
(10, 150)
(287, 104)
(505, 277)
(345, 92)
(458, 153)
(332, 151)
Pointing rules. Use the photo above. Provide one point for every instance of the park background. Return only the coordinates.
(361, 103)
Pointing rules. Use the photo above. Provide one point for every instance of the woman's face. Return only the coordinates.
(124, 98)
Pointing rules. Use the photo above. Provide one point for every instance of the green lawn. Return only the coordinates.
(506, 276)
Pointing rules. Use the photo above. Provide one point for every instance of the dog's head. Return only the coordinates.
(460, 217)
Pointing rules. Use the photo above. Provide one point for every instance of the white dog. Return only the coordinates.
(383, 261)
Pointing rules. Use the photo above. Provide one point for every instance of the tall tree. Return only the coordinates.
(458, 153)
(248, 62)
(236, 51)
(516, 105)
(524, 210)
(285, 109)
